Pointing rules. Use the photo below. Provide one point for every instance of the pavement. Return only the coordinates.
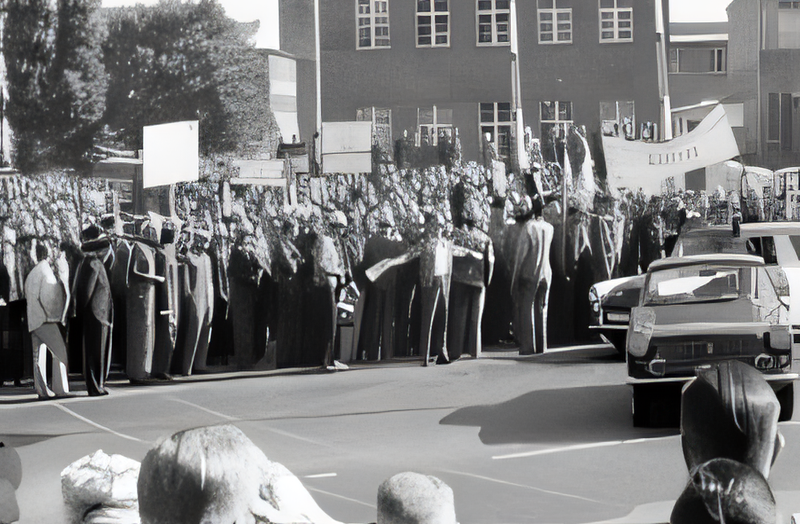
(520, 439)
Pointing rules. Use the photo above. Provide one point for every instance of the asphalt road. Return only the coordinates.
(541, 439)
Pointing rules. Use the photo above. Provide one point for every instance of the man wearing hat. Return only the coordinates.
(94, 309)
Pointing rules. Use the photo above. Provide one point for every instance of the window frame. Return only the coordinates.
(496, 124)
(493, 12)
(373, 24)
(434, 33)
(434, 127)
(553, 11)
(564, 124)
(616, 20)
(782, 127)
(719, 57)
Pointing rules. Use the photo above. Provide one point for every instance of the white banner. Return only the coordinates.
(635, 164)
(171, 153)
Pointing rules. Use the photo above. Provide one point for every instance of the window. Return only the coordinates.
(433, 23)
(779, 130)
(432, 124)
(381, 119)
(372, 21)
(697, 60)
(616, 23)
(493, 22)
(789, 25)
(496, 120)
(555, 119)
(555, 24)
(618, 118)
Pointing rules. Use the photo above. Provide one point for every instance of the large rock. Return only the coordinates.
(414, 498)
(9, 510)
(730, 411)
(723, 490)
(216, 474)
(99, 481)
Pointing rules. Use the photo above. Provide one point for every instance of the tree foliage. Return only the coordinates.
(56, 81)
(166, 63)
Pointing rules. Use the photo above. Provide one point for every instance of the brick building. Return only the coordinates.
(428, 67)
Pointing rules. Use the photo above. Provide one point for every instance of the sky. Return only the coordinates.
(267, 12)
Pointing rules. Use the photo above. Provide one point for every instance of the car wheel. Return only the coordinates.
(641, 405)
(786, 398)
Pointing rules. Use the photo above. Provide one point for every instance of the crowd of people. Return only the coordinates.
(128, 288)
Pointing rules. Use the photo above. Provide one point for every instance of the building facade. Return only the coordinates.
(750, 65)
(424, 69)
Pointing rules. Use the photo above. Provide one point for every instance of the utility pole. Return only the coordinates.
(318, 75)
(516, 93)
(663, 72)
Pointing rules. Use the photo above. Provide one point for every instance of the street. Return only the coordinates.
(545, 438)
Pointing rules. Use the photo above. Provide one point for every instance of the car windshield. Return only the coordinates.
(699, 283)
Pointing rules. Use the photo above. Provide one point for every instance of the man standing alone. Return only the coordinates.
(47, 300)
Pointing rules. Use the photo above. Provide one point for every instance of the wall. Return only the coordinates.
(587, 72)
(405, 77)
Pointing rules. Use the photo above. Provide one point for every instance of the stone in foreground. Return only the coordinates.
(413, 498)
(217, 474)
(724, 490)
(100, 481)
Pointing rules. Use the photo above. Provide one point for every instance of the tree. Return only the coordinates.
(165, 64)
(56, 81)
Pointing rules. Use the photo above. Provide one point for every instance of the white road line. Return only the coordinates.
(95, 424)
(578, 447)
(320, 476)
(533, 488)
(373, 506)
(298, 437)
(201, 408)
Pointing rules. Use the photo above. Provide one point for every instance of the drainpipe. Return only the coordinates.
(516, 92)
(318, 74)
(663, 72)
(759, 118)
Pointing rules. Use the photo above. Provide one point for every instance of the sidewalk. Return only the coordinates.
(10, 394)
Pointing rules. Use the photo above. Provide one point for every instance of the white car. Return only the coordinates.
(778, 243)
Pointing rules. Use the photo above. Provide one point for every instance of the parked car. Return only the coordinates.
(697, 310)
(778, 243)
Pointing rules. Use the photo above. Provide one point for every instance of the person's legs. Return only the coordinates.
(51, 336)
(40, 367)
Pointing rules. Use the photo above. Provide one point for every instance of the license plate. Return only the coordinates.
(618, 317)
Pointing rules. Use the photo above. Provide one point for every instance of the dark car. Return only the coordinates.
(697, 310)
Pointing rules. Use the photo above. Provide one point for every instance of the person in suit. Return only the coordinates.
(47, 300)
(94, 309)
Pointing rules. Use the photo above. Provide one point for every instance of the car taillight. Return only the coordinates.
(780, 337)
(643, 319)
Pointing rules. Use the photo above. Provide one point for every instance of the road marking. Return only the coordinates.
(95, 424)
(298, 437)
(201, 408)
(533, 488)
(569, 349)
(578, 447)
(373, 506)
(320, 476)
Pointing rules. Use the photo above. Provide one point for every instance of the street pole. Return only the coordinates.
(317, 47)
(564, 203)
(516, 91)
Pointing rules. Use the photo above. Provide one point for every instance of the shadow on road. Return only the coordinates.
(568, 416)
